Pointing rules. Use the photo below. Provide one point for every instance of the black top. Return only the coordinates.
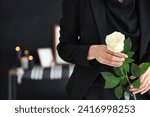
(87, 18)
(120, 17)
(123, 17)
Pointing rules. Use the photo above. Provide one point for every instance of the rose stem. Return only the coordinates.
(134, 96)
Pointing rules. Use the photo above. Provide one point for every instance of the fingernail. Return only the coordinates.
(132, 77)
(123, 59)
(126, 56)
(131, 86)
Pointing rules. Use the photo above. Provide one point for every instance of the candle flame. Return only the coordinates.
(30, 58)
(17, 48)
(26, 52)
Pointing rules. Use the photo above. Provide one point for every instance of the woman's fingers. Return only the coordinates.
(145, 85)
(146, 90)
(143, 89)
(110, 62)
(120, 55)
(142, 78)
(114, 58)
(104, 56)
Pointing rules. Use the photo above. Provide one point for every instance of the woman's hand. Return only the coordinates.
(145, 84)
(104, 56)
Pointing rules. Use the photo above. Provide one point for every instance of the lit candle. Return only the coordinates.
(18, 51)
(18, 56)
(31, 61)
(26, 53)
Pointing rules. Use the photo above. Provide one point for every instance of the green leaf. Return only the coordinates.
(118, 92)
(130, 54)
(144, 67)
(127, 45)
(123, 81)
(112, 81)
(129, 60)
(136, 84)
(126, 66)
(135, 70)
(106, 75)
(117, 71)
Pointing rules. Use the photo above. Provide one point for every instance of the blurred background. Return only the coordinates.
(29, 25)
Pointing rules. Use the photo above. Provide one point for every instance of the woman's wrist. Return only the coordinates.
(91, 55)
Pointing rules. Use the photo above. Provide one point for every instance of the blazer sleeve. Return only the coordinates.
(146, 57)
(69, 47)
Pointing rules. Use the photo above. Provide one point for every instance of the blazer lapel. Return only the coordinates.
(100, 18)
(144, 20)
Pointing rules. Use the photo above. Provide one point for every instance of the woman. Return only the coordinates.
(84, 26)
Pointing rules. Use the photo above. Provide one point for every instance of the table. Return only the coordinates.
(53, 78)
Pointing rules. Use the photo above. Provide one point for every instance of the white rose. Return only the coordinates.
(115, 42)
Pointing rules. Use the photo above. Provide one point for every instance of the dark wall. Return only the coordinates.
(27, 23)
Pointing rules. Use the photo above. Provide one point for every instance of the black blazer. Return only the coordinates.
(83, 24)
